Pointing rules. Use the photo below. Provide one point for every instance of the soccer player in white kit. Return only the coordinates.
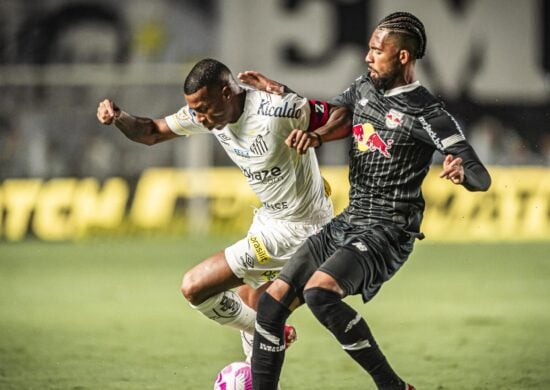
(252, 126)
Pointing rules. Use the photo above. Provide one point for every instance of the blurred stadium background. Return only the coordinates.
(95, 231)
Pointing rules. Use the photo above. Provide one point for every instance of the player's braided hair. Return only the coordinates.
(411, 29)
(206, 72)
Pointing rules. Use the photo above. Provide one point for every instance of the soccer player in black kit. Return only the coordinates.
(397, 125)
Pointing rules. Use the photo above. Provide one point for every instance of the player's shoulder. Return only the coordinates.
(255, 95)
(288, 105)
(363, 83)
(422, 101)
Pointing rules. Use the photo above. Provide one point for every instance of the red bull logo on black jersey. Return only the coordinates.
(369, 140)
(394, 118)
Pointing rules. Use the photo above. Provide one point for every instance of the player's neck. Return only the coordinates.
(405, 78)
(238, 108)
(408, 75)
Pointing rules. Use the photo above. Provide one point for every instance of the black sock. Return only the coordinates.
(353, 333)
(269, 343)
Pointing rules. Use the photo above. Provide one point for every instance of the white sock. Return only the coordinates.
(227, 308)
(247, 340)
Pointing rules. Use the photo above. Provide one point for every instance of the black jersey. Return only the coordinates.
(394, 137)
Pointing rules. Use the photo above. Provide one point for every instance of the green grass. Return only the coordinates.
(109, 315)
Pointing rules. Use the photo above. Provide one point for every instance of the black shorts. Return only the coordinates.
(359, 257)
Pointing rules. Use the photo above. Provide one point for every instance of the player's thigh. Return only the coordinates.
(348, 272)
(325, 281)
(299, 269)
(211, 276)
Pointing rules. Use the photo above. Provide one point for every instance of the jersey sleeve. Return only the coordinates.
(294, 112)
(443, 131)
(476, 176)
(439, 129)
(183, 123)
(346, 98)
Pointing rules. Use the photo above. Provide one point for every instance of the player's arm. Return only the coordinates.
(143, 130)
(327, 122)
(461, 165)
(260, 82)
(336, 125)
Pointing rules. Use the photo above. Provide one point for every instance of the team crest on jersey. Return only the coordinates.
(259, 146)
(369, 140)
(394, 118)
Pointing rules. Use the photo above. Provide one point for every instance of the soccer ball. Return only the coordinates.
(234, 376)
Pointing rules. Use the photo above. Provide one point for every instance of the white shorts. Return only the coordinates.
(269, 244)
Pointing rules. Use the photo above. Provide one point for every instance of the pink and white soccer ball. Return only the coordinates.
(234, 376)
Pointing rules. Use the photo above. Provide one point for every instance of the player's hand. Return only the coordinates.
(107, 112)
(301, 140)
(453, 169)
(259, 81)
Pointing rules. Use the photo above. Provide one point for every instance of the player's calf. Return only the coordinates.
(351, 330)
(227, 308)
(269, 343)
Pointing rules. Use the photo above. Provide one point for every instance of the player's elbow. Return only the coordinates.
(149, 141)
(481, 184)
(485, 187)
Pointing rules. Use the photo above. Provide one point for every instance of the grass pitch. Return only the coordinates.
(109, 315)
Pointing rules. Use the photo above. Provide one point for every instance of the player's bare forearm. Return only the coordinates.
(260, 82)
(143, 130)
(338, 125)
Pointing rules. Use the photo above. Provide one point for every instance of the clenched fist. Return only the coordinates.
(107, 112)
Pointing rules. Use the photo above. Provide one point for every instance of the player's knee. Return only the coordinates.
(325, 281)
(191, 289)
(321, 301)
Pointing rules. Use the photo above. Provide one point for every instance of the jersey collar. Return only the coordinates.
(402, 89)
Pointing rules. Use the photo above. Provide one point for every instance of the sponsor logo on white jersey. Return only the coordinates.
(241, 152)
(285, 111)
(264, 176)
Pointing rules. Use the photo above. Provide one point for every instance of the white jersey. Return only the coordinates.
(289, 186)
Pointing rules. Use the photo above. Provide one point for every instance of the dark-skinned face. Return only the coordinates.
(385, 68)
(210, 106)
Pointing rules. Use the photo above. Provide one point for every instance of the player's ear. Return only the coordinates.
(404, 56)
(227, 92)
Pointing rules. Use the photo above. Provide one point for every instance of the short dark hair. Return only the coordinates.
(410, 29)
(207, 72)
